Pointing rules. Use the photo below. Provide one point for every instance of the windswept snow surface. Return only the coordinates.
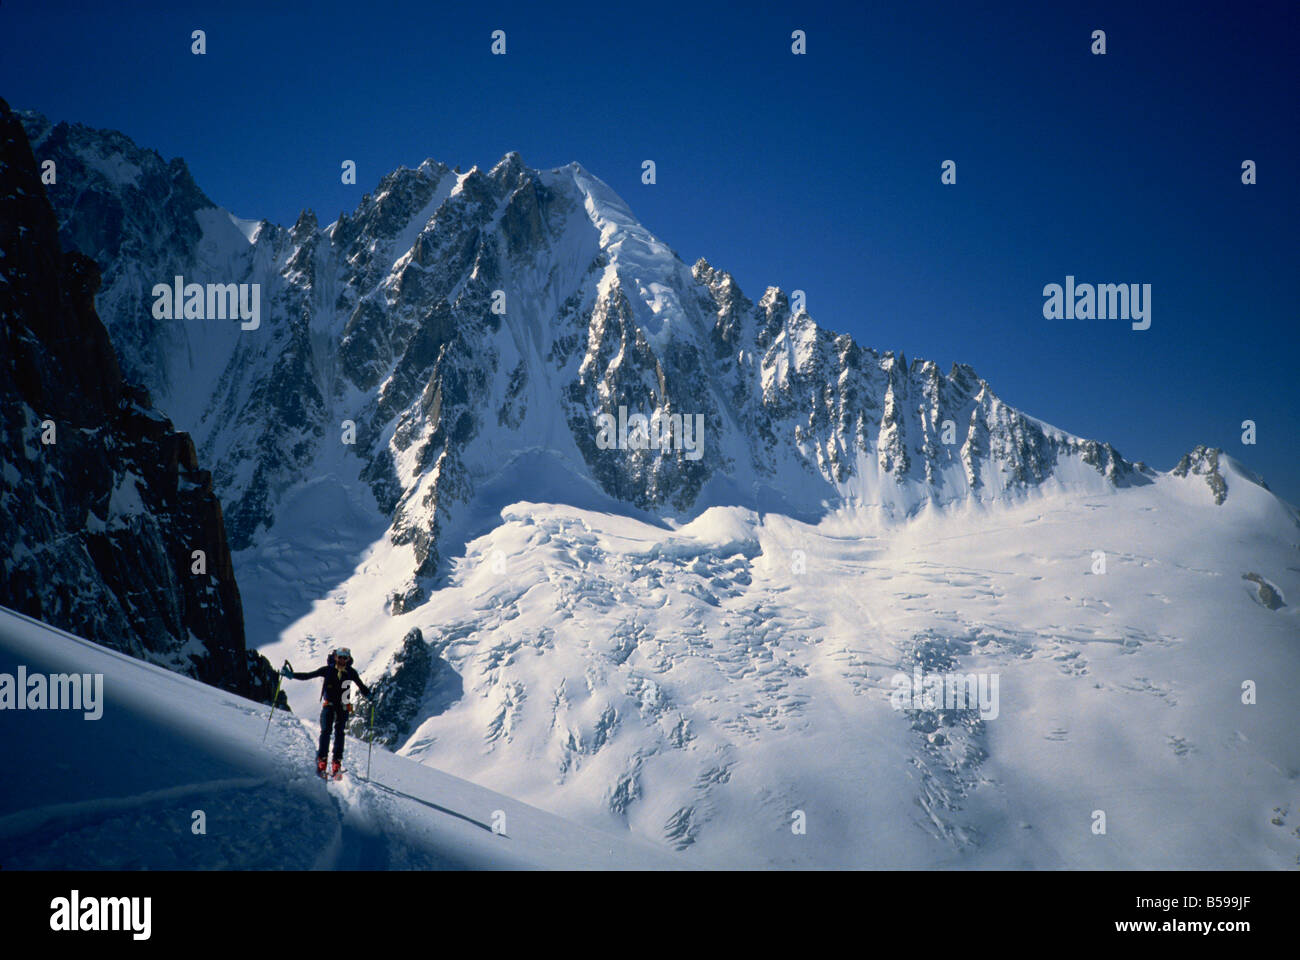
(700, 685)
(121, 792)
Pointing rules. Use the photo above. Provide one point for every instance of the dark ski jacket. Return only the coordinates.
(331, 690)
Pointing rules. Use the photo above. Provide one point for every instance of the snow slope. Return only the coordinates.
(120, 792)
(699, 685)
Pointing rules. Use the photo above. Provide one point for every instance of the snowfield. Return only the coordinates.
(700, 685)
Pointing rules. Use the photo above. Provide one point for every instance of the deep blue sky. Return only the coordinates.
(818, 172)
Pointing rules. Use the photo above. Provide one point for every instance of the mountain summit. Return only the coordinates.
(461, 321)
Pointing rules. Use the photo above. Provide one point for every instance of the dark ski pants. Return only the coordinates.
(335, 716)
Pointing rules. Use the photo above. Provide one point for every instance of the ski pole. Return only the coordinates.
(370, 738)
(274, 700)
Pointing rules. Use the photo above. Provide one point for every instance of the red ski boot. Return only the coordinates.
(320, 769)
(336, 771)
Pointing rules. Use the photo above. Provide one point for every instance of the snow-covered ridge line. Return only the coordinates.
(458, 319)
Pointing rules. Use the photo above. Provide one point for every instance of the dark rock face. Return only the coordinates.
(1203, 461)
(123, 207)
(103, 504)
(143, 219)
(1266, 593)
(399, 692)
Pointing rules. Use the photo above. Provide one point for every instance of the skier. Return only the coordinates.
(336, 697)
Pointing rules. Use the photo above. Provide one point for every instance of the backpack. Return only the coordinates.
(345, 686)
(346, 693)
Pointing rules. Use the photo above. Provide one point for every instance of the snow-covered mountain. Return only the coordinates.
(385, 318)
(699, 643)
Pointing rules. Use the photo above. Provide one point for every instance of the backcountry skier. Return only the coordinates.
(336, 699)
